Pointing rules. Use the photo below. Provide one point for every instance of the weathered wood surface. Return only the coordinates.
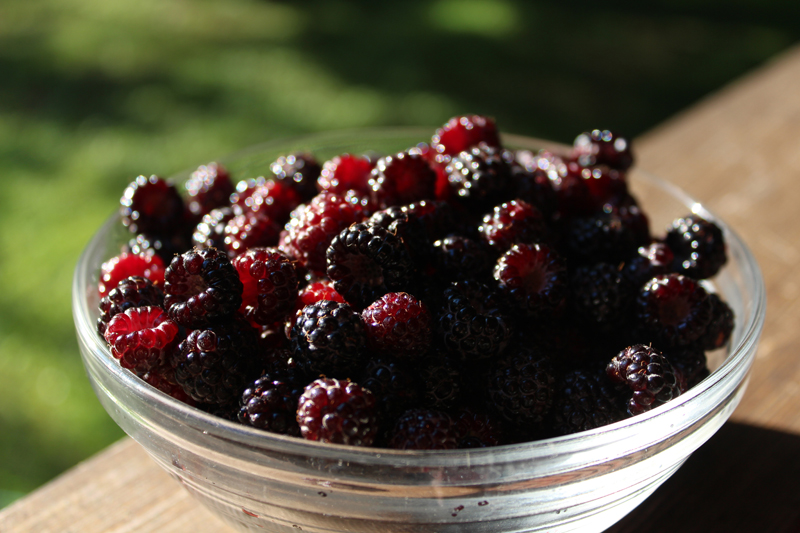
(738, 152)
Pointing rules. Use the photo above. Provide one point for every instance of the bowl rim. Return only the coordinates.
(737, 363)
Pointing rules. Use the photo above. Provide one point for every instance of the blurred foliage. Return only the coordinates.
(94, 93)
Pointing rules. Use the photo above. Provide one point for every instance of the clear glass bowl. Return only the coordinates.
(259, 481)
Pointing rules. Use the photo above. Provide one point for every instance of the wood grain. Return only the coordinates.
(739, 153)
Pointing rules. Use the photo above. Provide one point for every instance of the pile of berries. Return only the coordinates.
(457, 294)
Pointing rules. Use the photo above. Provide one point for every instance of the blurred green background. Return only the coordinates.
(95, 92)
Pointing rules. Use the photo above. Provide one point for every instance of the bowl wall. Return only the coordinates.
(257, 481)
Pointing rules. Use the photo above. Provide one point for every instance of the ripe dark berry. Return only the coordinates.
(395, 384)
(513, 222)
(141, 337)
(270, 285)
(134, 291)
(690, 364)
(164, 246)
(151, 205)
(477, 429)
(398, 324)
(534, 278)
(313, 226)
(214, 364)
(603, 147)
(125, 265)
(472, 324)
(442, 384)
(601, 237)
(409, 228)
(573, 197)
(270, 403)
(673, 309)
(424, 429)
(532, 183)
(461, 258)
(586, 400)
(650, 261)
(698, 245)
(210, 231)
(401, 179)
(480, 176)
(300, 171)
(201, 286)
(606, 185)
(250, 230)
(600, 297)
(463, 132)
(162, 377)
(340, 412)
(346, 172)
(271, 198)
(522, 386)
(720, 328)
(367, 261)
(649, 376)
(328, 338)
(209, 187)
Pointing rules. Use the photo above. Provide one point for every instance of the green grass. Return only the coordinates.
(94, 93)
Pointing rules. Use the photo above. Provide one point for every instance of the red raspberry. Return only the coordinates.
(201, 286)
(151, 205)
(605, 184)
(513, 222)
(270, 285)
(603, 147)
(134, 291)
(209, 187)
(398, 324)
(124, 265)
(424, 429)
(141, 337)
(313, 226)
(299, 171)
(346, 172)
(534, 277)
(341, 412)
(674, 309)
(250, 230)
(463, 132)
(401, 179)
(648, 374)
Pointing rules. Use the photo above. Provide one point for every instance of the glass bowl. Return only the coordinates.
(587, 481)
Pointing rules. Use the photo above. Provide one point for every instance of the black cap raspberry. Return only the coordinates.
(209, 187)
(328, 338)
(513, 222)
(214, 364)
(649, 376)
(401, 179)
(472, 324)
(719, 330)
(603, 147)
(270, 403)
(300, 171)
(367, 261)
(586, 400)
(395, 384)
(141, 337)
(201, 286)
(424, 429)
(674, 309)
(698, 245)
(534, 278)
(522, 386)
(480, 176)
(151, 205)
(340, 412)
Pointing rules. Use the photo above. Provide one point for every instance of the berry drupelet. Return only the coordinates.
(270, 403)
(480, 177)
(134, 291)
(201, 286)
(341, 412)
